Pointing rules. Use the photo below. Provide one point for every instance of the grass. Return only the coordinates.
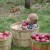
(44, 22)
(18, 2)
(20, 48)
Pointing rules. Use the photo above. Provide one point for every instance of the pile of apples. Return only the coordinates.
(41, 37)
(4, 35)
(24, 23)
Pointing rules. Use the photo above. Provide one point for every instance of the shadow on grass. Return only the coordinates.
(20, 48)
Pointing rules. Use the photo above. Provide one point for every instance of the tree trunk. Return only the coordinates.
(28, 3)
(43, 1)
(48, 1)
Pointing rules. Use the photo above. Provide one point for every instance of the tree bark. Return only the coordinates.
(48, 1)
(43, 1)
(28, 3)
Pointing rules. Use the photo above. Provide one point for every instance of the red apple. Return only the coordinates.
(47, 40)
(37, 34)
(6, 33)
(1, 36)
(48, 35)
(43, 40)
(24, 21)
(41, 36)
(37, 37)
(33, 36)
(24, 24)
(5, 37)
(38, 40)
(1, 33)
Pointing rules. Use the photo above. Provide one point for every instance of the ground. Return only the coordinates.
(7, 18)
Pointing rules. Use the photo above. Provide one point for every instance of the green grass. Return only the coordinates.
(44, 22)
(20, 48)
(18, 2)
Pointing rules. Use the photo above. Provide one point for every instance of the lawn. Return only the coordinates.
(44, 21)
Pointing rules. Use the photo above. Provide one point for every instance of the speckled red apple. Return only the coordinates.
(5, 33)
(24, 23)
(41, 37)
